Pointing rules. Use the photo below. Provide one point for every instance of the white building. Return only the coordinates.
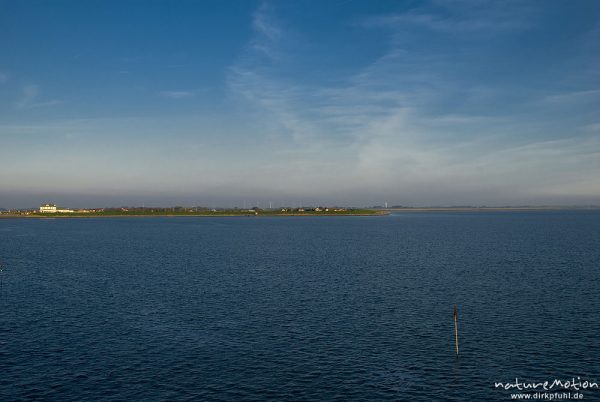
(48, 209)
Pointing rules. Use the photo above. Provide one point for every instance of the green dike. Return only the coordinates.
(233, 212)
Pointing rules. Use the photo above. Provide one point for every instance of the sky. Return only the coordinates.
(304, 102)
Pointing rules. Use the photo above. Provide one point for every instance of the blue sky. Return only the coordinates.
(346, 101)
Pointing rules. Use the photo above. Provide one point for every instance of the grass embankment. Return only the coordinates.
(205, 213)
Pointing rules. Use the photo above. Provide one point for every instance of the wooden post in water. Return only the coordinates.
(1, 278)
(456, 329)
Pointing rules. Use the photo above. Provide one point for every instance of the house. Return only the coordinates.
(53, 209)
(48, 209)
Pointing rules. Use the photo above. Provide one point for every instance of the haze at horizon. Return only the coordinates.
(345, 102)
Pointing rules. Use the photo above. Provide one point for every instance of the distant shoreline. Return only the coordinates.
(372, 212)
(491, 209)
(245, 215)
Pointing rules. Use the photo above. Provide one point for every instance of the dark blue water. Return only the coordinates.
(298, 308)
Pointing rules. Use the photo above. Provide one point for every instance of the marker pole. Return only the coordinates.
(456, 329)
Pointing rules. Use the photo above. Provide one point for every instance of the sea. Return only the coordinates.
(349, 308)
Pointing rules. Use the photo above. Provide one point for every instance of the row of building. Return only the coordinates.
(53, 209)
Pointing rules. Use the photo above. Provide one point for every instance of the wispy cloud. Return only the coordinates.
(267, 33)
(573, 96)
(373, 102)
(458, 17)
(177, 94)
(264, 25)
(592, 128)
(29, 98)
(445, 25)
(28, 94)
(404, 121)
(253, 79)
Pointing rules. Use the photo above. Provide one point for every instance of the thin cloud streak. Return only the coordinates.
(574, 96)
(29, 96)
(178, 94)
